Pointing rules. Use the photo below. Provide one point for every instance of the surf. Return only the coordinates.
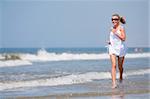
(68, 79)
(42, 56)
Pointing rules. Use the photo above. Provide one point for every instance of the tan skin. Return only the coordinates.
(122, 36)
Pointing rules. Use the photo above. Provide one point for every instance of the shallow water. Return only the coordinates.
(82, 71)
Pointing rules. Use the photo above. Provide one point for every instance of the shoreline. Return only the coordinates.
(87, 94)
(134, 87)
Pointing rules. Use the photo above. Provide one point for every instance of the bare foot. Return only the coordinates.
(114, 86)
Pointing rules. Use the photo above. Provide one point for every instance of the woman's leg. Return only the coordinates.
(120, 66)
(113, 70)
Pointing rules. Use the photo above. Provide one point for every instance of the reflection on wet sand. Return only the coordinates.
(118, 93)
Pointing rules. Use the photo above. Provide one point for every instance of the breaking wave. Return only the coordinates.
(43, 55)
(67, 80)
(11, 63)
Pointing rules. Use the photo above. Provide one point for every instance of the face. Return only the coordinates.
(115, 20)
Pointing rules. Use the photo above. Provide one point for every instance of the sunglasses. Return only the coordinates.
(115, 19)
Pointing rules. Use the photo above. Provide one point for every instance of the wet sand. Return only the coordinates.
(137, 87)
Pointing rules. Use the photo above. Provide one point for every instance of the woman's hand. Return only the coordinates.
(108, 42)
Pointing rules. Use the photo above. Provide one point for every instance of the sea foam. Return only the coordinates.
(10, 63)
(43, 55)
(67, 80)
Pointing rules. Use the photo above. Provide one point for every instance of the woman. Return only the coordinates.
(117, 49)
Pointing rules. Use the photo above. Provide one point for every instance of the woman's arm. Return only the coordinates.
(122, 36)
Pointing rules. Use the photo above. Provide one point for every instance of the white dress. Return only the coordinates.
(117, 46)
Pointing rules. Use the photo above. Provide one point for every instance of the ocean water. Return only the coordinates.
(52, 68)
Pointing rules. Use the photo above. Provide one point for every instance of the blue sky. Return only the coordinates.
(74, 23)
